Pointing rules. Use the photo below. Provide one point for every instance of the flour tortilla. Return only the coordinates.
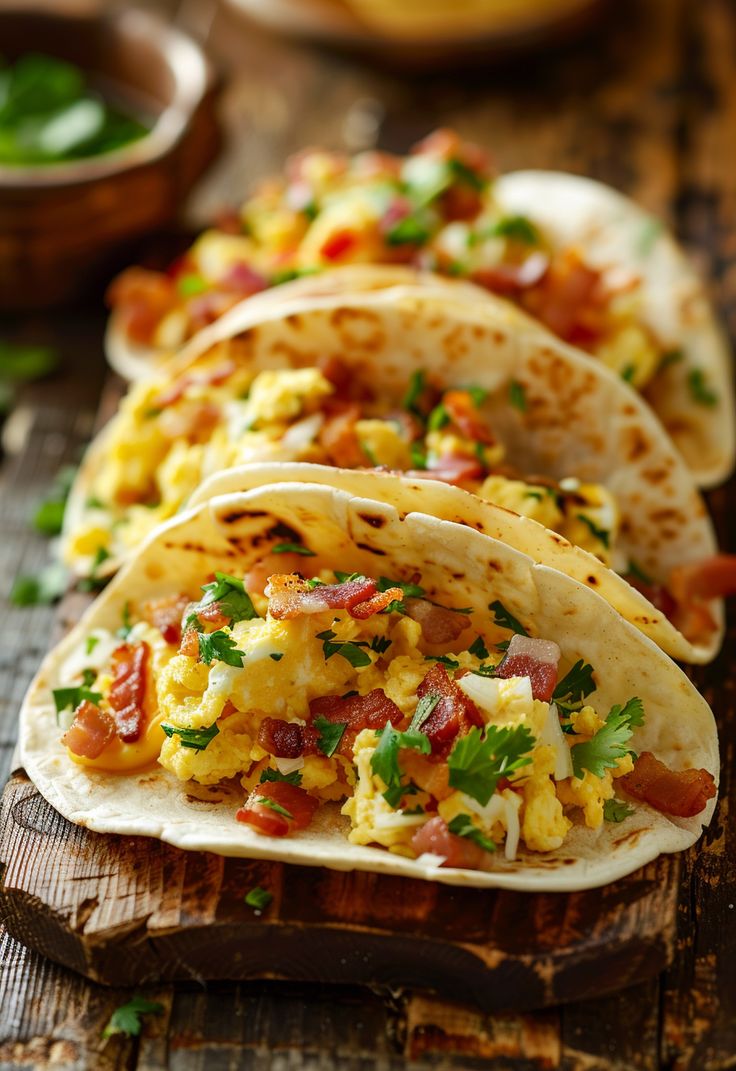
(580, 419)
(612, 232)
(459, 567)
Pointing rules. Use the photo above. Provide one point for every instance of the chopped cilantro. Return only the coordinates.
(477, 394)
(330, 734)
(90, 644)
(345, 578)
(293, 778)
(70, 698)
(519, 228)
(276, 655)
(463, 173)
(196, 739)
(232, 600)
(350, 651)
(517, 395)
(124, 630)
(575, 686)
(385, 759)
(89, 676)
(380, 644)
(504, 619)
(293, 548)
(478, 761)
(699, 389)
(411, 591)
(411, 230)
(670, 357)
(258, 898)
(616, 810)
(191, 284)
(415, 390)
(601, 534)
(93, 581)
(451, 663)
(425, 706)
(372, 459)
(478, 648)
(462, 825)
(610, 743)
(218, 645)
(49, 516)
(638, 573)
(418, 455)
(127, 1018)
(272, 805)
(438, 418)
(628, 373)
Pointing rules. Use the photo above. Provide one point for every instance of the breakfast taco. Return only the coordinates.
(417, 699)
(407, 379)
(596, 269)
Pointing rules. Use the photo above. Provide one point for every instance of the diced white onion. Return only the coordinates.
(287, 766)
(303, 433)
(552, 734)
(398, 821)
(570, 483)
(513, 829)
(431, 859)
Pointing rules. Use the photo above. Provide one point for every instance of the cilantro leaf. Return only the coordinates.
(638, 573)
(349, 650)
(519, 228)
(127, 1018)
(330, 734)
(42, 589)
(575, 686)
(89, 676)
(125, 629)
(425, 706)
(601, 534)
(380, 644)
(293, 778)
(70, 698)
(670, 357)
(93, 582)
(196, 739)
(504, 619)
(451, 663)
(90, 644)
(462, 825)
(344, 578)
(700, 391)
(478, 648)
(417, 385)
(478, 761)
(616, 810)
(610, 743)
(258, 898)
(438, 418)
(231, 597)
(628, 373)
(293, 548)
(385, 759)
(276, 655)
(220, 646)
(272, 805)
(517, 395)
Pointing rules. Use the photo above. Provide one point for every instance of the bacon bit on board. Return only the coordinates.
(535, 659)
(682, 793)
(436, 838)
(455, 713)
(297, 801)
(90, 732)
(128, 689)
(371, 711)
(463, 413)
(439, 625)
(290, 596)
(165, 614)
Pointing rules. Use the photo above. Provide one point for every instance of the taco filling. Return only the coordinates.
(434, 210)
(442, 736)
(168, 439)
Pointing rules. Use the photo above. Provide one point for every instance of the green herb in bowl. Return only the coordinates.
(49, 114)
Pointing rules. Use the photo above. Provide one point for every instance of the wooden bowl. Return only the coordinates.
(60, 224)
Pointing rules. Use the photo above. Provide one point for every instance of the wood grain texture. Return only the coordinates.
(649, 105)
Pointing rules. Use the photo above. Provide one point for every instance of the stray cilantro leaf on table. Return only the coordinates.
(258, 898)
(127, 1018)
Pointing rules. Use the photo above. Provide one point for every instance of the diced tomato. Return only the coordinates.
(435, 837)
(464, 415)
(372, 711)
(128, 689)
(533, 658)
(682, 793)
(439, 625)
(165, 614)
(90, 732)
(339, 244)
(296, 801)
(454, 714)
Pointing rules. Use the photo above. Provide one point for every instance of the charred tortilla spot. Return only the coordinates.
(371, 550)
(295, 320)
(638, 444)
(592, 580)
(374, 520)
(283, 533)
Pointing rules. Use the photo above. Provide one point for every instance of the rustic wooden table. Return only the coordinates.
(648, 104)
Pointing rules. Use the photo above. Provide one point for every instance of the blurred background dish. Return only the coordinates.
(61, 218)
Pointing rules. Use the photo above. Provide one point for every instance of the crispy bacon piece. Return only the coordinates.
(570, 299)
(165, 614)
(271, 565)
(213, 615)
(128, 689)
(439, 625)
(205, 308)
(90, 732)
(435, 837)
(711, 578)
(264, 819)
(513, 278)
(657, 594)
(454, 713)
(450, 468)
(190, 643)
(376, 603)
(290, 596)
(206, 379)
(142, 298)
(371, 711)
(464, 415)
(284, 739)
(192, 419)
(337, 373)
(535, 659)
(339, 439)
(683, 793)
